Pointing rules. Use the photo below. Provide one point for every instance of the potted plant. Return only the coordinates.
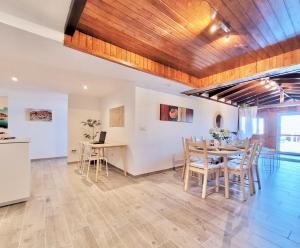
(91, 125)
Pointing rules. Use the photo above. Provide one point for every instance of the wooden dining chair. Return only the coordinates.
(243, 168)
(202, 166)
(184, 154)
(255, 166)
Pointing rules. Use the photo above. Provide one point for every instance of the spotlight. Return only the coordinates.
(85, 87)
(214, 28)
(227, 37)
(14, 79)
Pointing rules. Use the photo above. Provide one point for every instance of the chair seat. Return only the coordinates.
(201, 165)
(234, 165)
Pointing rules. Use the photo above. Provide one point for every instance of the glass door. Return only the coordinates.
(289, 133)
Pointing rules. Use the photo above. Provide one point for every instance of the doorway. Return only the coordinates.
(288, 138)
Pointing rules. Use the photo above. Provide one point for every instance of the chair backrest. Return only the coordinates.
(250, 155)
(246, 151)
(258, 152)
(196, 149)
(183, 145)
(87, 150)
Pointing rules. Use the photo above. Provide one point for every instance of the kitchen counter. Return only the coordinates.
(15, 171)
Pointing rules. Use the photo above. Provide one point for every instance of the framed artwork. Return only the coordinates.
(116, 117)
(3, 113)
(174, 113)
(39, 115)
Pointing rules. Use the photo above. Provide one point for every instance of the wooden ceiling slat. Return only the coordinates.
(252, 88)
(135, 31)
(156, 24)
(176, 33)
(256, 96)
(271, 19)
(279, 8)
(275, 100)
(253, 12)
(235, 88)
(165, 27)
(233, 11)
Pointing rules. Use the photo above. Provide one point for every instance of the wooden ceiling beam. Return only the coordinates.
(249, 88)
(234, 89)
(255, 97)
(75, 11)
(269, 100)
(290, 85)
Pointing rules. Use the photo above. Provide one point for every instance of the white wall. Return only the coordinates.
(158, 143)
(81, 108)
(48, 139)
(153, 144)
(123, 97)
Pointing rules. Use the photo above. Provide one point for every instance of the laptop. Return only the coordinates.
(101, 138)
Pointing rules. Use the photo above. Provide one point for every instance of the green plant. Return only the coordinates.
(91, 124)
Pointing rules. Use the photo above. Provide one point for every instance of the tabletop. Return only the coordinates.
(107, 145)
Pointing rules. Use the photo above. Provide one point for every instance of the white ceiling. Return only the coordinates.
(45, 64)
(51, 14)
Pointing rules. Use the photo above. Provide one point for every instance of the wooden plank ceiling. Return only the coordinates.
(262, 91)
(177, 33)
(174, 39)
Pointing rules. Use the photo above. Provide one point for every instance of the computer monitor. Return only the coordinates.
(102, 137)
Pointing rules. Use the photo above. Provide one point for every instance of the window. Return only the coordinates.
(243, 124)
(258, 125)
(261, 125)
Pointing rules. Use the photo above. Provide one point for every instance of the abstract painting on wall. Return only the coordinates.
(3, 113)
(39, 115)
(174, 113)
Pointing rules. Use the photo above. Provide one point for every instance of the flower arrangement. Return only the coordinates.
(220, 135)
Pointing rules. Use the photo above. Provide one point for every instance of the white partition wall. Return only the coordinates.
(48, 139)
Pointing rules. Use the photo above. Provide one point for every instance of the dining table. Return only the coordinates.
(225, 152)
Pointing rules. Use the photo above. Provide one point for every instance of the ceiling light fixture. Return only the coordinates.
(214, 28)
(226, 28)
(227, 37)
(85, 87)
(15, 79)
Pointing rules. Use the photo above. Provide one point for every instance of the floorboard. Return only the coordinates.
(67, 210)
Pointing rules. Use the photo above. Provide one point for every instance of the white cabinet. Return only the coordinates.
(14, 171)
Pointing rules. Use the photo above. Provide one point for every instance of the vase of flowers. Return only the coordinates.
(220, 136)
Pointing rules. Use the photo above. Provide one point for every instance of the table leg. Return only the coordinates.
(226, 177)
(123, 150)
(97, 165)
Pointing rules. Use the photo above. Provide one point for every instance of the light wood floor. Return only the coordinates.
(68, 211)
